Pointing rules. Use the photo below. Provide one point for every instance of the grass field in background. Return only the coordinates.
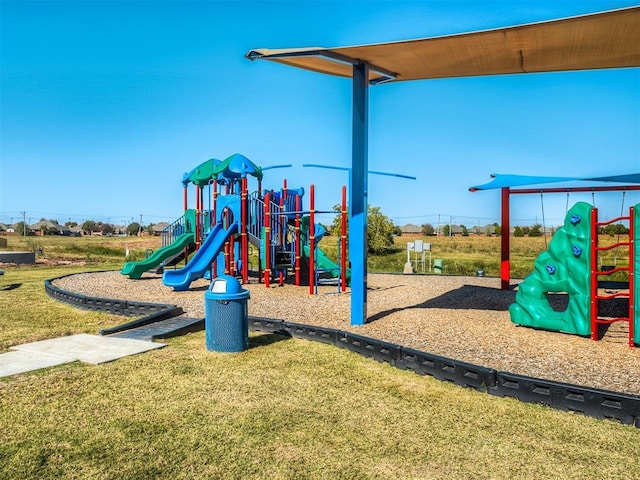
(460, 255)
(285, 408)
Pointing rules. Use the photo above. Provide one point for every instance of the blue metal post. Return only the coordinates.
(358, 204)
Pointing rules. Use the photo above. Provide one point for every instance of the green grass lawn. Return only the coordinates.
(286, 408)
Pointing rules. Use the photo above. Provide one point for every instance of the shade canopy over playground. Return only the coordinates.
(502, 181)
(506, 184)
(600, 40)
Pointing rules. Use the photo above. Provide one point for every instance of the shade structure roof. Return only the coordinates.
(608, 39)
(502, 180)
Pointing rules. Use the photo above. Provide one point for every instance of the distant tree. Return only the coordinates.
(336, 225)
(54, 221)
(22, 228)
(446, 230)
(536, 230)
(133, 229)
(465, 232)
(526, 230)
(498, 229)
(427, 229)
(615, 229)
(149, 228)
(379, 231)
(89, 226)
(107, 229)
(71, 224)
(518, 232)
(397, 230)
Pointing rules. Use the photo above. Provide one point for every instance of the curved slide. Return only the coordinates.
(136, 269)
(181, 279)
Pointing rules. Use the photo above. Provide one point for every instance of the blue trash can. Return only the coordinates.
(226, 315)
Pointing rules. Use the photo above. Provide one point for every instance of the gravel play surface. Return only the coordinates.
(463, 318)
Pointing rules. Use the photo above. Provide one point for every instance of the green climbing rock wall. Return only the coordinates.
(636, 280)
(564, 267)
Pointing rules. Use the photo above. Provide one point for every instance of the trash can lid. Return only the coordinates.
(226, 287)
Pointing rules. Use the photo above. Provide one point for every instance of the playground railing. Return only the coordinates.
(256, 215)
(173, 231)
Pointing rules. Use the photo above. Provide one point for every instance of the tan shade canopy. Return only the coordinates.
(601, 40)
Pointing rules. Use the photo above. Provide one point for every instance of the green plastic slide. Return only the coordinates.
(325, 263)
(136, 269)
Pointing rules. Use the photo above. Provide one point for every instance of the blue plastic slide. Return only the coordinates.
(181, 278)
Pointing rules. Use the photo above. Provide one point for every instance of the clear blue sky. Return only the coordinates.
(106, 104)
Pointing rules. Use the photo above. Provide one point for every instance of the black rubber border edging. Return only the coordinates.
(591, 402)
(152, 312)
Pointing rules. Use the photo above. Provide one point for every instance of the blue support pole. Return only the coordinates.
(359, 195)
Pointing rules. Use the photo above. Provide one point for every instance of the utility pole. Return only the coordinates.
(24, 224)
(140, 228)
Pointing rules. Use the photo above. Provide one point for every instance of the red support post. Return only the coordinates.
(343, 241)
(594, 274)
(184, 195)
(244, 238)
(297, 266)
(215, 220)
(267, 239)
(186, 206)
(228, 270)
(197, 226)
(505, 263)
(312, 240)
(281, 218)
(632, 274)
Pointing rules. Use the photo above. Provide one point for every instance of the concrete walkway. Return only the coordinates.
(92, 349)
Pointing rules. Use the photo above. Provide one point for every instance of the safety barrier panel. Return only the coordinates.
(108, 305)
(589, 401)
(310, 332)
(370, 348)
(442, 368)
(265, 324)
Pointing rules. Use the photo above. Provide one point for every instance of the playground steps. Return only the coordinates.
(598, 321)
(614, 333)
(166, 328)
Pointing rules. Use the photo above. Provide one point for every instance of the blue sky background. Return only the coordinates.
(106, 104)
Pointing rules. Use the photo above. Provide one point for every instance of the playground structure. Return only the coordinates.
(221, 233)
(571, 265)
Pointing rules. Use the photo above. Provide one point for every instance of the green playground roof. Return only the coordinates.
(505, 180)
